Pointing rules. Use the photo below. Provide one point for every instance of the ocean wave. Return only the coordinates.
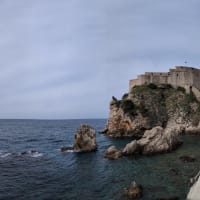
(4, 154)
(30, 153)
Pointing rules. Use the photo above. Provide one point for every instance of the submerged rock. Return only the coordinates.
(84, 140)
(169, 198)
(156, 140)
(113, 153)
(173, 171)
(187, 159)
(134, 191)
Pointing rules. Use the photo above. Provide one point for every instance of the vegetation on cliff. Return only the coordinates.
(147, 106)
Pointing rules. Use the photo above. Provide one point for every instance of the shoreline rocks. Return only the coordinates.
(146, 107)
(84, 140)
(156, 140)
(113, 153)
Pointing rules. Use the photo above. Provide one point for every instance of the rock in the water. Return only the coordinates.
(131, 148)
(113, 153)
(134, 191)
(187, 158)
(195, 190)
(156, 140)
(173, 171)
(85, 139)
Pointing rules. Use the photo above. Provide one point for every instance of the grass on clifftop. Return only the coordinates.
(149, 87)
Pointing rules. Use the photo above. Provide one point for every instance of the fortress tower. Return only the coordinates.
(187, 77)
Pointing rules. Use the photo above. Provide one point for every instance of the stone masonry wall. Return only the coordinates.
(186, 77)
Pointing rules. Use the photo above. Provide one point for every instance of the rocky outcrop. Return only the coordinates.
(134, 191)
(132, 148)
(84, 140)
(195, 189)
(148, 106)
(156, 140)
(113, 153)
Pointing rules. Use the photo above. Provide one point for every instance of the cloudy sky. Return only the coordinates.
(63, 59)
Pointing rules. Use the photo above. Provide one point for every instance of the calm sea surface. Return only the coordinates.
(32, 167)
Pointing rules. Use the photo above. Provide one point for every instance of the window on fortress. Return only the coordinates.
(177, 75)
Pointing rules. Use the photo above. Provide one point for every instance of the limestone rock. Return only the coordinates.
(131, 148)
(134, 191)
(156, 140)
(146, 107)
(195, 190)
(113, 153)
(85, 138)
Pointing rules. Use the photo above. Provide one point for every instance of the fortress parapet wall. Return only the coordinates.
(183, 76)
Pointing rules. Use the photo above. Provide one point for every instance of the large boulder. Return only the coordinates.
(156, 140)
(84, 140)
(113, 153)
(131, 148)
(195, 189)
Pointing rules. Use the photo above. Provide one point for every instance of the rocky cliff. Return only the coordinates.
(148, 106)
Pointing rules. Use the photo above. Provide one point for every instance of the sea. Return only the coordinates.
(32, 166)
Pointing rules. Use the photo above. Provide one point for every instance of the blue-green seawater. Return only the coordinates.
(46, 173)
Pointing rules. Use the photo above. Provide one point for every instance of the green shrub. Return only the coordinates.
(168, 86)
(191, 98)
(181, 89)
(152, 86)
(125, 96)
(128, 107)
(143, 110)
(139, 89)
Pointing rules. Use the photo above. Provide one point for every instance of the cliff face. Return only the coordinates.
(148, 106)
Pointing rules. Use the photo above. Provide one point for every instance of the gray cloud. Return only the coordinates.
(65, 59)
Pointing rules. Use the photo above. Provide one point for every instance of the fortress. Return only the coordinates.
(187, 77)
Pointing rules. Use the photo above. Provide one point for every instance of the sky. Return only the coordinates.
(65, 59)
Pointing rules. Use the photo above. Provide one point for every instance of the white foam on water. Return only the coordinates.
(72, 151)
(36, 154)
(4, 155)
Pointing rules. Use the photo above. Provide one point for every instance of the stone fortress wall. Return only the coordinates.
(187, 77)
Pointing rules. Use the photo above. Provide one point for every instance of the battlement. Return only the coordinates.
(157, 73)
(182, 76)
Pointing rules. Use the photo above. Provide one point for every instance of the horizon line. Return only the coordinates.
(51, 119)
